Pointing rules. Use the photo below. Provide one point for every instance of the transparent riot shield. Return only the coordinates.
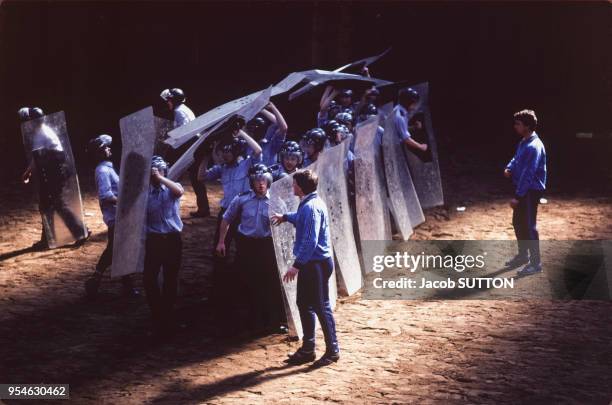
(424, 166)
(138, 137)
(405, 204)
(370, 189)
(334, 191)
(47, 145)
(162, 127)
(282, 200)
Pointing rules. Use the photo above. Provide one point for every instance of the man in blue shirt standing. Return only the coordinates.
(313, 267)
(107, 184)
(256, 259)
(163, 247)
(527, 169)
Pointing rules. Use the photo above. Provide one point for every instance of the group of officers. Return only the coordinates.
(254, 156)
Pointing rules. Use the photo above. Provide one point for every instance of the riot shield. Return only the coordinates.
(370, 189)
(47, 144)
(424, 167)
(247, 108)
(317, 77)
(405, 204)
(334, 191)
(357, 66)
(138, 137)
(162, 128)
(282, 200)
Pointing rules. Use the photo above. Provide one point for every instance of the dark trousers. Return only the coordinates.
(199, 187)
(106, 258)
(256, 263)
(222, 276)
(53, 173)
(313, 302)
(163, 252)
(524, 221)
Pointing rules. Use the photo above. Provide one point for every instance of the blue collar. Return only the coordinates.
(106, 163)
(308, 197)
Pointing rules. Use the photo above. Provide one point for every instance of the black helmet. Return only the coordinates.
(99, 143)
(335, 130)
(408, 96)
(333, 111)
(237, 147)
(344, 118)
(291, 148)
(330, 127)
(346, 93)
(256, 127)
(159, 163)
(316, 137)
(175, 94)
(258, 171)
(367, 111)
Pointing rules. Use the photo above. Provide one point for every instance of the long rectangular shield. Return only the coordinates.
(424, 167)
(138, 133)
(47, 144)
(370, 188)
(282, 200)
(247, 109)
(334, 191)
(405, 204)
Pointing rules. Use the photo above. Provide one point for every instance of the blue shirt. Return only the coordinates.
(107, 183)
(378, 140)
(253, 213)
(163, 210)
(271, 144)
(528, 166)
(312, 239)
(182, 115)
(234, 178)
(400, 120)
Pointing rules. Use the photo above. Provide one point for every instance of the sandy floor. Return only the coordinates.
(392, 351)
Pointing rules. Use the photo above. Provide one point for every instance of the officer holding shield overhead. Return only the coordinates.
(175, 98)
(47, 159)
(313, 267)
(256, 259)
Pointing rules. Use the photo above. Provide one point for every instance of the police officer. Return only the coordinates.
(313, 143)
(313, 267)
(48, 159)
(234, 176)
(175, 98)
(408, 100)
(527, 169)
(163, 247)
(255, 259)
(270, 137)
(290, 159)
(107, 184)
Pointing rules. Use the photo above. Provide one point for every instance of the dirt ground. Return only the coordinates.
(440, 352)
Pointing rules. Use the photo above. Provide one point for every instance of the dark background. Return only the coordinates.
(101, 61)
